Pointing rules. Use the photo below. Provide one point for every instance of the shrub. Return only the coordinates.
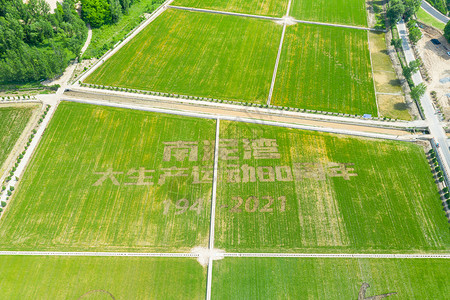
(9, 193)
(441, 179)
(3, 203)
(445, 190)
(437, 169)
(3, 188)
(11, 188)
(447, 195)
(1, 209)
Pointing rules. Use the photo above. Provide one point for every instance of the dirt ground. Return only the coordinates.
(437, 63)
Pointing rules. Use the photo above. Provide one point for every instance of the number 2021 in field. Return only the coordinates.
(182, 206)
(254, 204)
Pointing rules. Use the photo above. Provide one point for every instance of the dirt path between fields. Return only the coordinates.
(240, 114)
(23, 138)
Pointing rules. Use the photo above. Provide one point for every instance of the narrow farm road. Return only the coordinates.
(431, 116)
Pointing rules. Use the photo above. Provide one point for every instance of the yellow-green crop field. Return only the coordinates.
(197, 54)
(62, 277)
(288, 190)
(107, 179)
(227, 57)
(100, 180)
(329, 278)
(111, 179)
(274, 8)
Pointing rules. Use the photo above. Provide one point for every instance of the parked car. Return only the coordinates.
(435, 41)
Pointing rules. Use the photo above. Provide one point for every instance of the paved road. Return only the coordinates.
(431, 116)
(434, 12)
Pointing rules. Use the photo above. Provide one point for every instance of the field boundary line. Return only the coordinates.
(231, 254)
(133, 254)
(213, 212)
(335, 255)
(275, 70)
(338, 25)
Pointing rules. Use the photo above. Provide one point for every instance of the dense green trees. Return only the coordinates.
(99, 12)
(36, 44)
(399, 9)
(447, 31)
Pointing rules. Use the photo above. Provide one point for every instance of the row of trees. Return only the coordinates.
(100, 12)
(36, 44)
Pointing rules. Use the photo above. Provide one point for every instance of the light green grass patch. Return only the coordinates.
(325, 68)
(197, 54)
(63, 204)
(274, 8)
(329, 278)
(427, 19)
(12, 123)
(59, 277)
(317, 192)
(347, 12)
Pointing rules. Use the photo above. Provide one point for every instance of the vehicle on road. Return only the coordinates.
(435, 41)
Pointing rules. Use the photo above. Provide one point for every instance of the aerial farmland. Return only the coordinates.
(226, 150)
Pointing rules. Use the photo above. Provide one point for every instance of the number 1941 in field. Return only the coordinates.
(254, 204)
(183, 205)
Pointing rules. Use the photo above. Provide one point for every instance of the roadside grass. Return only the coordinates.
(198, 54)
(108, 35)
(63, 277)
(347, 12)
(273, 8)
(325, 68)
(61, 205)
(427, 19)
(391, 206)
(329, 278)
(13, 120)
(393, 107)
(386, 80)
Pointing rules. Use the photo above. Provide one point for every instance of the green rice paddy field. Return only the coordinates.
(347, 12)
(325, 68)
(12, 123)
(59, 277)
(306, 200)
(329, 278)
(69, 199)
(274, 8)
(197, 54)
(110, 179)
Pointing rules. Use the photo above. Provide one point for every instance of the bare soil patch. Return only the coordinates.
(437, 63)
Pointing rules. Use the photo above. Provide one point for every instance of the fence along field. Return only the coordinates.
(59, 277)
(286, 190)
(108, 179)
(198, 54)
(346, 12)
(12, 123)
(329, 278)
(273, 8)
(325, 68)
